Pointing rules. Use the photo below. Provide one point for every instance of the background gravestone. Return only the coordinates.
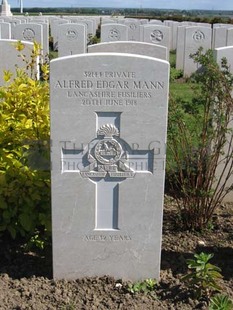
(54, 26)
(195, 37)
(139, 48)
(156, 34)
(45, 44)
(10, 58)
(109, 20)
(12, 21)
(219, 37)
(5, 29)
(173, 31)
(108, 131)
(114, 32)
(90, 28)
(72, 39)
(28, 32)
(229, 36)
(180, 47)
(219, 54)
(134, 29)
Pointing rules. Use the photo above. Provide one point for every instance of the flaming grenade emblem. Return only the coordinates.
(108, 151)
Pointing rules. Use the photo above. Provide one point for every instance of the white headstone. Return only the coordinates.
(72, 39)
(22, 21)
(114, 32)
(134, 29)
(12, 21)
(5, 29)
(204, 25)
(10, 58)
(108, 21)
(219, 37)
(173, 31)
(220, 53)
(90, 28)
(144, 21)
(108, 127)
(156, 34)
(139, 48)
(180, 47)
(28, 32)
(45, 31)
(195, 37)
(54, 25)
(155, 22)
(230, 36)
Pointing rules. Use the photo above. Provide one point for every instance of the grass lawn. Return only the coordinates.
(184, 91)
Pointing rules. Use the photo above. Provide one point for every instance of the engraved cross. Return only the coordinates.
(107, 162)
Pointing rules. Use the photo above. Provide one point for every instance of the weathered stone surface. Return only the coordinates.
(108, 131)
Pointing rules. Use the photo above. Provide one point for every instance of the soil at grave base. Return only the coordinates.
(26, 282)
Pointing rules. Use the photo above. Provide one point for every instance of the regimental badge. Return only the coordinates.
(108, 156)
(108, 151)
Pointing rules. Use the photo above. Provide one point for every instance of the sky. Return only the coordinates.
(160, 4)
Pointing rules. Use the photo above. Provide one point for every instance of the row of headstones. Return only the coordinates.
(70, 36)
(75, 29)
(165, 34)
(133, 26)
(189, 39)
(221, 35)
(135, 34)
(140, 48)
(71, 40)
(126, 30)
(38, 32)
(187, 36)
(38, 29)
(10, 55)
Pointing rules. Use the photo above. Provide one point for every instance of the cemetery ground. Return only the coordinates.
(26, 275)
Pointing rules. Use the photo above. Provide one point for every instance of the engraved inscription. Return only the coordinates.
(114, 35)
(110, 74)
(103, 238)
(156, 36)
(71, 34)
(132, 26)
(109, 88)
(198, 36)
(28, 34)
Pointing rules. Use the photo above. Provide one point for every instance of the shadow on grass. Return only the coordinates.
(20, 263)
